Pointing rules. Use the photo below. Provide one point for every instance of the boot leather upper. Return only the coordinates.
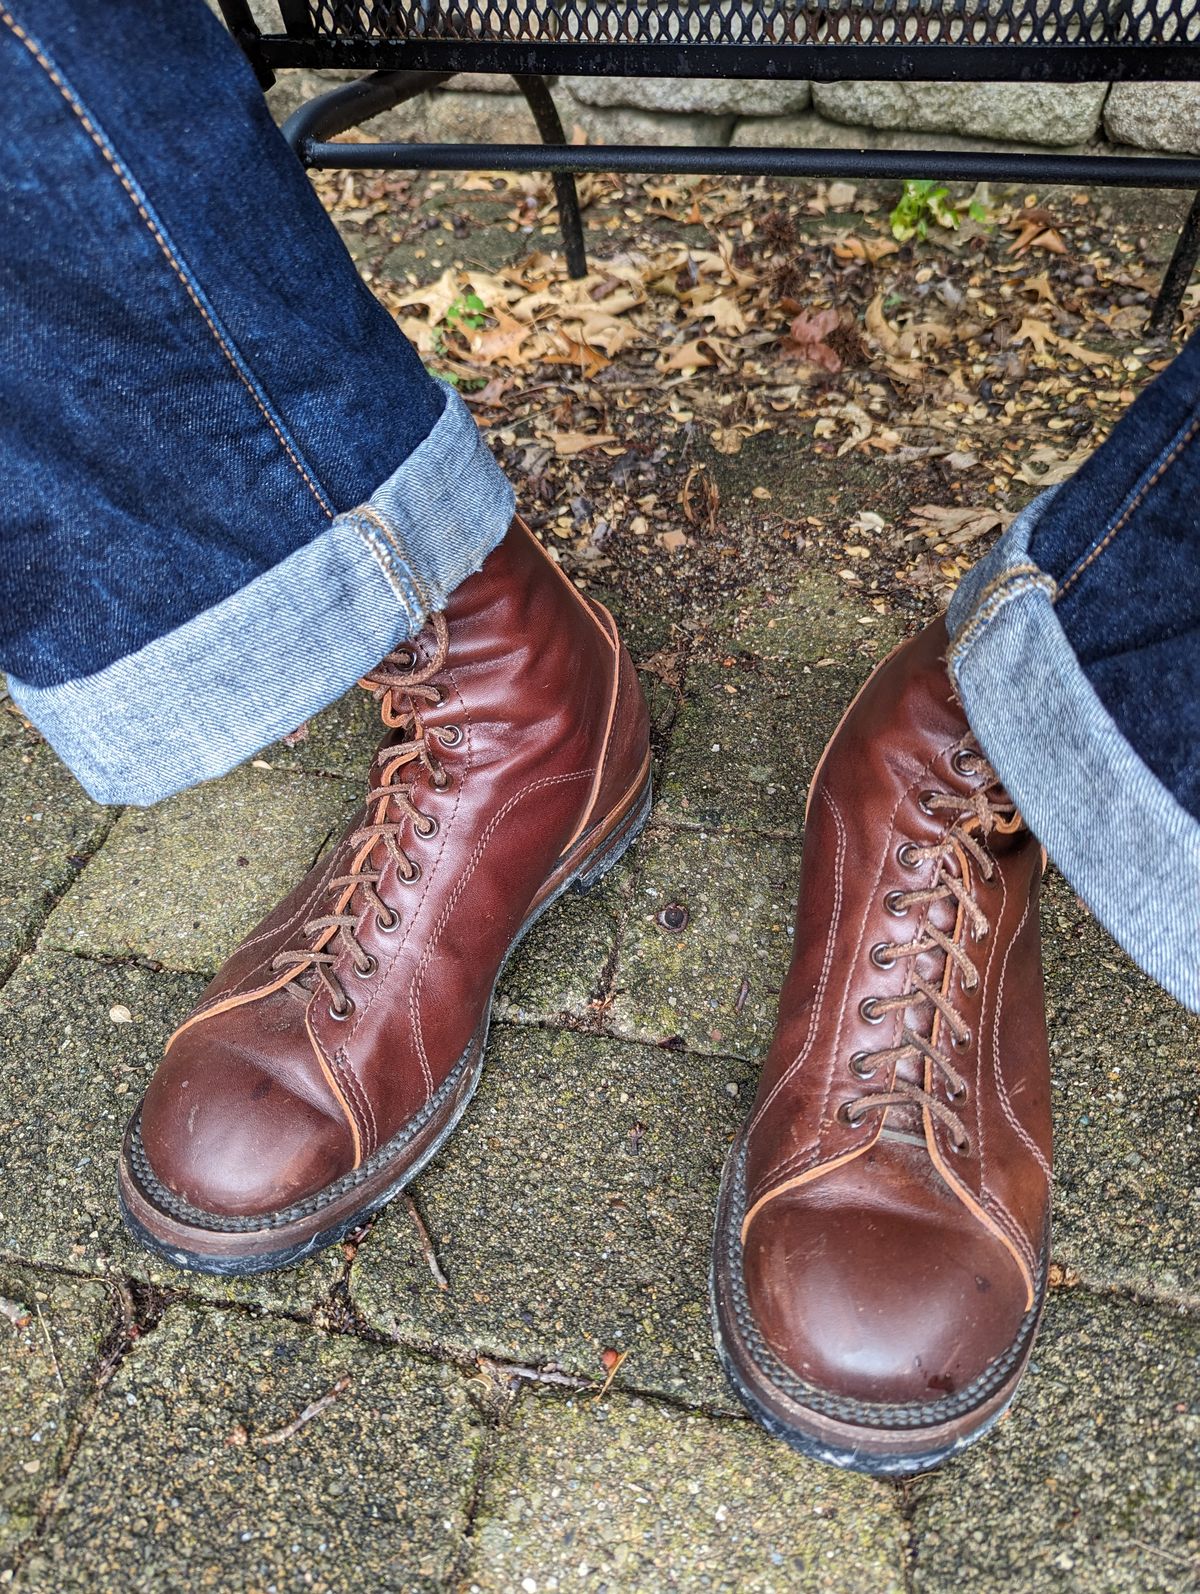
(891, 1256)
(268, 1092)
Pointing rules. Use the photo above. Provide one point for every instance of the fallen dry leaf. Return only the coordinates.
(566, 443)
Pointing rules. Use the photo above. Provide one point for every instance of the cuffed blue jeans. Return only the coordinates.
(1076, 653)
(228, 484)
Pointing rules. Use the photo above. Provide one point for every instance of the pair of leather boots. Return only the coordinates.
(881, 1239)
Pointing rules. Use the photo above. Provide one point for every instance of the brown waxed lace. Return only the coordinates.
(978, 815)
(400, 688)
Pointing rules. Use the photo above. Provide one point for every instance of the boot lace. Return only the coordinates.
(401, 689)
(963, 847)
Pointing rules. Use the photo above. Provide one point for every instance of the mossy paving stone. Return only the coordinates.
(340, 740)
(1126, 1070)
(1090, 1484)
(51, 1337)
(561, 967)
(714, 983)
(177, 1485)
(184, 882)
(571, 1214)
(746, 741)
(623, 1494)
(48, 828)
(71, 1076)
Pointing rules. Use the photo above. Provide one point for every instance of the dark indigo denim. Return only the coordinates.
(1121, 539)
(195, 380)
(1075, 649)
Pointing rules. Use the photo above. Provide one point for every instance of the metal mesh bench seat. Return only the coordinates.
(406, 46)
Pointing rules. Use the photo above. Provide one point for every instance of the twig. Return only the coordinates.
(282, 1435)
(538, 1375)
(423, 1235)
(49, 1345)
(612, 1373)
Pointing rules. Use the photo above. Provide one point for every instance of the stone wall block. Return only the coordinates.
(1155, 116)
(708, 96)
(1030, 113)
(620, 124)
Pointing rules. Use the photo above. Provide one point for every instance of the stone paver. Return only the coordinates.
(746, 741)
(1126, 1066)
(561, 968)
(182, 883)
(571, 1215)
(808, 620)
(71, 1076)
(340, 740)
(50, 1341)
(187, 1478)
(625, 1494)
(48, 829)
(714, 984)
(1090, 1484)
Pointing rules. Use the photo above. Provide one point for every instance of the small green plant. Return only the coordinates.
(468, 310)
(926, 201)
(466, 313)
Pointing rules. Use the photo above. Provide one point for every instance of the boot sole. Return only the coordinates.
(873, 1447)
(286, 1238)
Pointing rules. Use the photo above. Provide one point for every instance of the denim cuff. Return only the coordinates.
(1123, 841)
(203, 697)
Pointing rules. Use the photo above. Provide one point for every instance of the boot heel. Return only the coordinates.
(617, 845)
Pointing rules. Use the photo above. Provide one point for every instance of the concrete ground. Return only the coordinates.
(424, 1408)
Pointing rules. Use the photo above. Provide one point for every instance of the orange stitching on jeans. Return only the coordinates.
(1136, 503)
(48, 67)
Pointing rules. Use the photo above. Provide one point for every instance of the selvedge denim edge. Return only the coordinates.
(1122, 840)
(197, 701)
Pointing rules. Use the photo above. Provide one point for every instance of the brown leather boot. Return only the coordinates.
(881, 1242)
(340, 1044)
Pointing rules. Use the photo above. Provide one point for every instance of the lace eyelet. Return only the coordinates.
(963, 763)
(450, 735)
(858, 1069)
(429, 828)
(892, 903)
(389, 925)
(961, 1148)
(981, 935)
(367, 969)
(440, 783)
(923, 804)
(869, 1011)
(960, 1045)
(957, 1097)
(411, 879)
(878, 958)
(906, 855)
(341, 1014)
(847, 1115)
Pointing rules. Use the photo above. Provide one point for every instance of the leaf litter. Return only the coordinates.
(754, 373)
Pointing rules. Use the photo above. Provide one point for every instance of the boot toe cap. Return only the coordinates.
(227, 1136)
(878, 1307)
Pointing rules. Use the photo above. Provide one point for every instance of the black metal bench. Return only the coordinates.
(407, 46)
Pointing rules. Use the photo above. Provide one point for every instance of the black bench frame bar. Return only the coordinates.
(400, 69)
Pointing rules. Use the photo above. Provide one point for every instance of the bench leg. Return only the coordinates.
(1177, 276)
(570, 218)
